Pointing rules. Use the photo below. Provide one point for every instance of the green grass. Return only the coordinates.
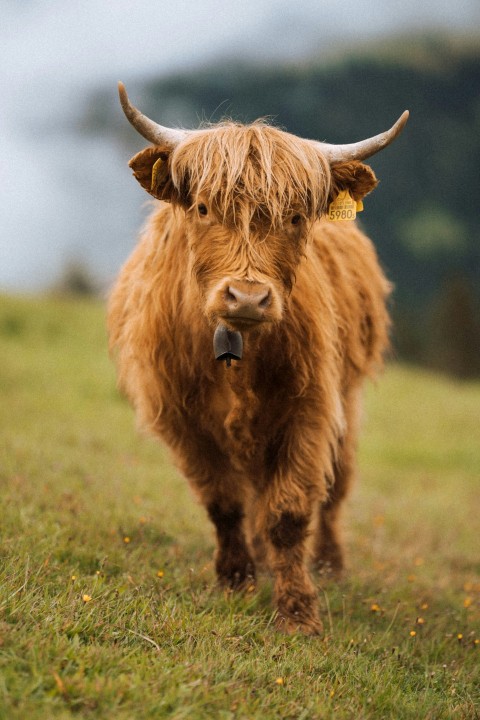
(91, 508)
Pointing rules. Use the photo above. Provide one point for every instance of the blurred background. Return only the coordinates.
(323, 69)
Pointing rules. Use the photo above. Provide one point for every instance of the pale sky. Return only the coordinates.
(55, 38)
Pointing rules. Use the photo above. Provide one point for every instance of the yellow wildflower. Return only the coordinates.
(86, 598)
(280, 681)
(467, 602)
(160, 573)
(412, 633)
(59, 683)
(126, 539)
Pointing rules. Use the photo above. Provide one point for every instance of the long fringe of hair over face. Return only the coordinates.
(257, 168)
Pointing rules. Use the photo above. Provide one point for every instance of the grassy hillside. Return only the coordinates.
(108, 605)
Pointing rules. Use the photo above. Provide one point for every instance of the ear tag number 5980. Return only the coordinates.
(344, 207)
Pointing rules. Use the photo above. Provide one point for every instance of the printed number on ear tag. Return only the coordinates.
(344, 207)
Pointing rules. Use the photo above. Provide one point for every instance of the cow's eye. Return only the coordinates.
(202, 209)
(296, 219)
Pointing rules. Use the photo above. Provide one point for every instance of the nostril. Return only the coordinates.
(230, 295)
(265, 301)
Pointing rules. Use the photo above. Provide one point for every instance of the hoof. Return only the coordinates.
(236, 576)
(329, 569)
(292, 626)
(298, 614)
(329, 561)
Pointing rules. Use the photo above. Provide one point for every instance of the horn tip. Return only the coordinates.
(395, 131)
(403, 118)
(124, 101)
(121, 89)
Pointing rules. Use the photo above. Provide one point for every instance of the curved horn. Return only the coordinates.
(156, 134)
(336, 154)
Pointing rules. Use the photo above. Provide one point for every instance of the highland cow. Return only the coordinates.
(241, 249)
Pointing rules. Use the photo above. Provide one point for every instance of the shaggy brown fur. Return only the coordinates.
(268, 444)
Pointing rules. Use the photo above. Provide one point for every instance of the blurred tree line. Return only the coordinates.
(424, 216)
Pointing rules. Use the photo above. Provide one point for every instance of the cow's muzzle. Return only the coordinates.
(244, 304)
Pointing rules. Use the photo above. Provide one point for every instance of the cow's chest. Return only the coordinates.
(233, 415)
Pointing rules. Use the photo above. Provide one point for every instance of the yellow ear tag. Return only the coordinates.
(344, 207)
(155, 171)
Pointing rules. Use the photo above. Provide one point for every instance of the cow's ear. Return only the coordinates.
(151, 167)
(357, 178)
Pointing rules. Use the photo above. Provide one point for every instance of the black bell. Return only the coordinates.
(227, 344)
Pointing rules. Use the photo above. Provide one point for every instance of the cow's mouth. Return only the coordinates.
(239, 322)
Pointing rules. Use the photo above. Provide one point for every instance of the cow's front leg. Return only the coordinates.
(284, 515)
(223, 492)
(296, 465)
(295, 596)
(233, 562)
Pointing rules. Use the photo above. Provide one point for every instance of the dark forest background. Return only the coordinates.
(424, 216)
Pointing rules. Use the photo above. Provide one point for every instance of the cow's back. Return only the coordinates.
(359, 291)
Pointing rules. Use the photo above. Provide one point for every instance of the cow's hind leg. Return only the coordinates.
(328, 549)
(329, 555)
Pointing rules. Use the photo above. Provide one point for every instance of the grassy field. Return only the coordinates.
(108, 604)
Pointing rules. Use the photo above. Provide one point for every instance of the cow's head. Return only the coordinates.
(250, 194)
